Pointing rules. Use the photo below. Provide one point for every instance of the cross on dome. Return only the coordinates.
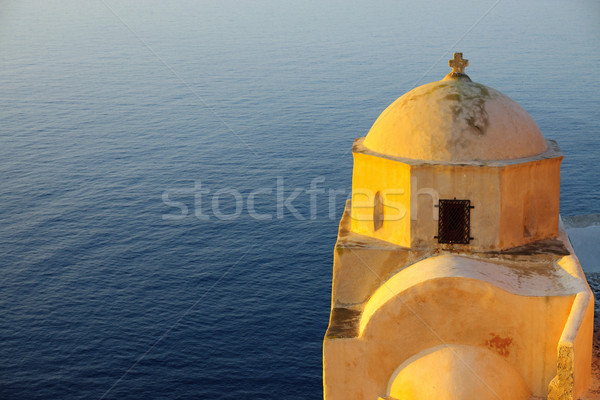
(458, 64)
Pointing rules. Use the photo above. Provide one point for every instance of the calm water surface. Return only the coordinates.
(108, 291)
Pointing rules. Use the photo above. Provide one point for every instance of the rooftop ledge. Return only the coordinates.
(552, 151)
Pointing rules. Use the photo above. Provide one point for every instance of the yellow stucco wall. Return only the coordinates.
(524, 331)
(391, 179)
(515, 202)
(529, 205)
(478, 184)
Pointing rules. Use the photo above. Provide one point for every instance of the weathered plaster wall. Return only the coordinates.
(529, 205)
(515, 202)
(522, 330)
(478, 184)
(391, 179)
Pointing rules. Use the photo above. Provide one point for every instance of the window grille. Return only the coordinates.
(454, 224)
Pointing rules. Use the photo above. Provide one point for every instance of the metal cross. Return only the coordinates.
(458, 64)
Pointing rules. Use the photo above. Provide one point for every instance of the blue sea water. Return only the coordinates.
(116, 117)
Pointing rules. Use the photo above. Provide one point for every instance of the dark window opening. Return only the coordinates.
(378, 212)
(454, 224)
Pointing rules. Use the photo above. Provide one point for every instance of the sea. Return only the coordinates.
(172, 174)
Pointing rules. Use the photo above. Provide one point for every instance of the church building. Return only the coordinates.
(453, 277)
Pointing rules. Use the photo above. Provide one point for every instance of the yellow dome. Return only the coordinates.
(455, 120)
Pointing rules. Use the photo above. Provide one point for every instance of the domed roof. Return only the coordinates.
(455, 120)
